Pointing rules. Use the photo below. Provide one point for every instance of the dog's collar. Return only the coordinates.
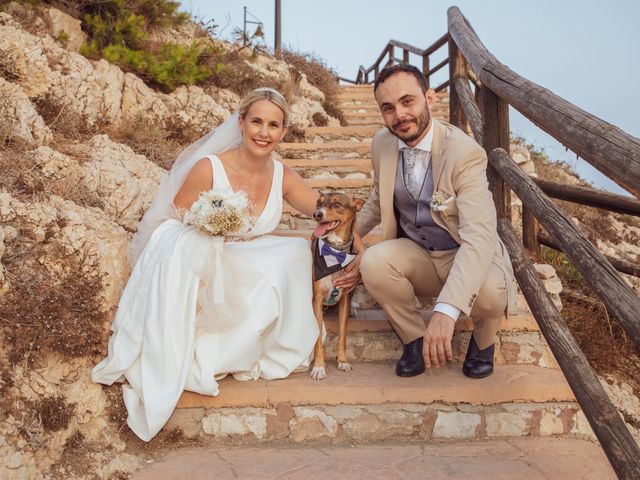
(347, 247)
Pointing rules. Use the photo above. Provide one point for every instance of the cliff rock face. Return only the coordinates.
(69, 211)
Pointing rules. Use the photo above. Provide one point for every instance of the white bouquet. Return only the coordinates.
(220, 212)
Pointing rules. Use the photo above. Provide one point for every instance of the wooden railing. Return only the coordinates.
(389, 51)
(606, 147)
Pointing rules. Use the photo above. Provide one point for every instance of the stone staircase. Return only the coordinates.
(526, 396)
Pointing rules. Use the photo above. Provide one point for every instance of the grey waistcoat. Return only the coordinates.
(414, 218)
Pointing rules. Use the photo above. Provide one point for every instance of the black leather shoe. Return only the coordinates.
(412, 362)
(478, 363)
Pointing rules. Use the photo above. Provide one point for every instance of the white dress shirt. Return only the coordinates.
(420, 170)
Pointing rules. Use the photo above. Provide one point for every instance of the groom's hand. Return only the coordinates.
(436, 348)
(350, 275)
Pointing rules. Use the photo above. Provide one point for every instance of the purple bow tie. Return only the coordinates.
(327, 250)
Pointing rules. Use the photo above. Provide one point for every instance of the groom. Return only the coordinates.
(438, 228)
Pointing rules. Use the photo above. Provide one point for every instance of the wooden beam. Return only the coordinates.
(590, 196)
(425, 69)
(470, 108)
(457, 69)
(621, 265)
(495, 134)
(406, 47)
(605, 146)
(596, 270)
(614, 436)
(442, 86)
(436, 45)
(530, 231)
(438, 67)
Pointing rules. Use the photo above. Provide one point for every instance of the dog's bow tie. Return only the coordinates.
(333, 256)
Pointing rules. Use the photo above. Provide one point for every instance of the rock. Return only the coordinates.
(76, 231)
(225, 98)
(302, 112)
(221, 423)
(19, 119)
(192, 106)
(13, 461)
(126, 182)
(22, 57)
(65, 26)
(308, 90)
(456, 425)
(56, 166)
(310, 423)
(124, 464)
(510, 424)
(270, 68)
(551, 424)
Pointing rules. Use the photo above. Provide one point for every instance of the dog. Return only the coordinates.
(333, 248)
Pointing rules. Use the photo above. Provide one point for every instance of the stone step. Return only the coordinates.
(366, 122)
(319, 168)
(372, 403)
(332, 133)
(359, 187)
(334, 149)
(363, 96)
(372, 339)
(350, 108)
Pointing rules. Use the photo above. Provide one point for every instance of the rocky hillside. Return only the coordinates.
(83, 146)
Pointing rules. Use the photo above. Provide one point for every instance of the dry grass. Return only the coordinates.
(295, 134)
(46, 312)
(63, 121)
(161, 145)
(319, 119)
(20, 176)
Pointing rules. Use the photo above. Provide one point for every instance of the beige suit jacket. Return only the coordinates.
(459, 170)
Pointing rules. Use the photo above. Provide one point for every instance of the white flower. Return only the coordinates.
(220, 212)
(439, 202)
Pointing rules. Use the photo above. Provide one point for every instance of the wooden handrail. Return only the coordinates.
(605, 146)
(590, 196)
(389, 49)
(612, 433)
(406, 46)
(596, 270)
(619, 264)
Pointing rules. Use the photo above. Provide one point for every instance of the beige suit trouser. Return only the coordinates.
(397, 271)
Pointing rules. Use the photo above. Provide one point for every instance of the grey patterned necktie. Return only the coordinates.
(410, 156)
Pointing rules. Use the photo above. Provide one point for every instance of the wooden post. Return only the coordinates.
(392, 58)
(278, 36)
(457, 68)
(405, 56)
(495, 134)
(425, 69)
(606, 422)
(530, 231)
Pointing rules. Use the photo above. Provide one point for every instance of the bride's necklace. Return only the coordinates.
(249, 181)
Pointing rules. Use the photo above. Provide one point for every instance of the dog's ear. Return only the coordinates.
(358, 203)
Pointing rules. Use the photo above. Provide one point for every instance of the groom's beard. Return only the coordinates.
(422, 123)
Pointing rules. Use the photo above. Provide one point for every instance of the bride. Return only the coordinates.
(171, 331)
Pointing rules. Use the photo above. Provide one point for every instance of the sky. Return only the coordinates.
(585, 51)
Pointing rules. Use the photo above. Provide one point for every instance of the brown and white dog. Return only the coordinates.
(333, 247)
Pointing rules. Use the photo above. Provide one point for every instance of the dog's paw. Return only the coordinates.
(344, 366)
(318, 373)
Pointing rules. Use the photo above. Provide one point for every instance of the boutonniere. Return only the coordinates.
(439, 202)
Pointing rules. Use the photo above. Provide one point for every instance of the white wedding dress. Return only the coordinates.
(169, 335)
